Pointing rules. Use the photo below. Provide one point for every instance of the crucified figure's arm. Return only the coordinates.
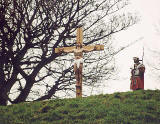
(89, 49)
(66, 50)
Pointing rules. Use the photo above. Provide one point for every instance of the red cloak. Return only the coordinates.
(137, 81)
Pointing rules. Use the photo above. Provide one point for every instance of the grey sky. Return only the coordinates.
(149, 29)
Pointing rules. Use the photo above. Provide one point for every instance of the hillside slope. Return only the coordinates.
(138, 107)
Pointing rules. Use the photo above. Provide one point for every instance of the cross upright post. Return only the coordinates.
(78, 53)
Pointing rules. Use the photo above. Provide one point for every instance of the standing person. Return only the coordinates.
(137, 75)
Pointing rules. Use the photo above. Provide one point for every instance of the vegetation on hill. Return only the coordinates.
(138, 107)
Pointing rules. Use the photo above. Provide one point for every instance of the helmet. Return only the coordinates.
(135, 58)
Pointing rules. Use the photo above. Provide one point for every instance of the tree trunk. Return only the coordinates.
(3, 97)
(3, 94)
(3, 101)
(25, 92)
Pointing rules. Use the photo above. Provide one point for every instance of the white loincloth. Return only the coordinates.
(78, 62)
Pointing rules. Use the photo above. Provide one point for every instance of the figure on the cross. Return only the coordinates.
(78, 63)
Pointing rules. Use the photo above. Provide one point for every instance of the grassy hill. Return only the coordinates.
(138, 107)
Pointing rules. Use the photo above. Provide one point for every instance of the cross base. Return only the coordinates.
(78, 90)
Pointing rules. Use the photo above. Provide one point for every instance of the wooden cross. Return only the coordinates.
(78, 52)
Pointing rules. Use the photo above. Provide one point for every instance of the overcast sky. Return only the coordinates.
(148, 31)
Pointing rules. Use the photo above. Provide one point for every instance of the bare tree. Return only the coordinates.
(30, 30)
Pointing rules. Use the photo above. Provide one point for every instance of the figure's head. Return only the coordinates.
(78, 45)
(136, 59)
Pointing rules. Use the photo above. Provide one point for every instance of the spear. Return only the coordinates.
(142, 56)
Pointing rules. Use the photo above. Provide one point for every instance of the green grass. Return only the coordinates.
(138, 107)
